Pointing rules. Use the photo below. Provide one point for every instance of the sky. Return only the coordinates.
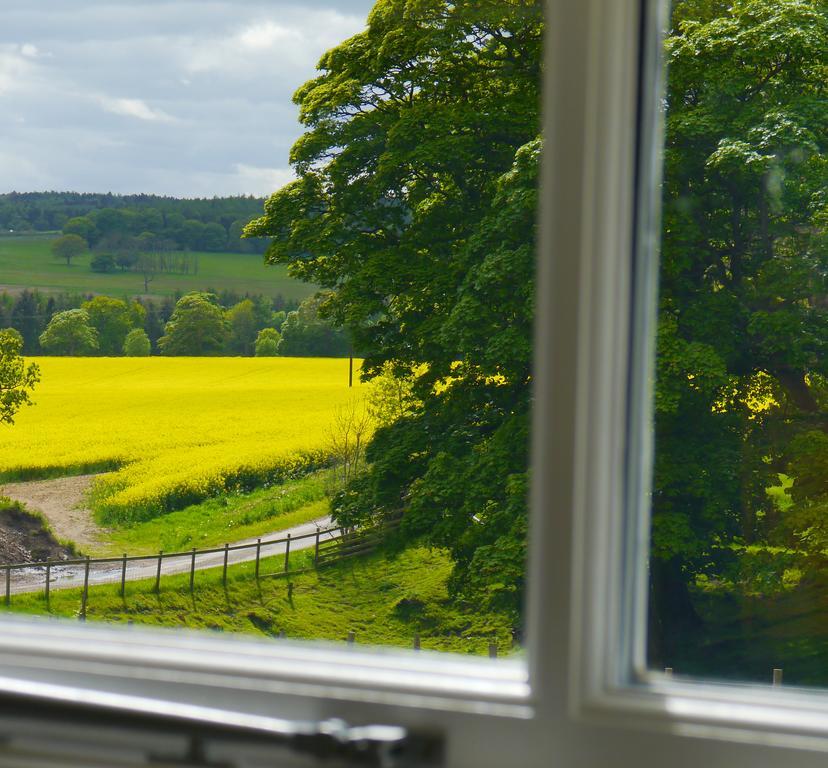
(189, 98)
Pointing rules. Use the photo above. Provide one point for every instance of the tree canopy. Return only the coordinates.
(419, 158)
(70, 333)
(196, 327)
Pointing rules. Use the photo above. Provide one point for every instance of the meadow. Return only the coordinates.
(172, 432)
(27, 262)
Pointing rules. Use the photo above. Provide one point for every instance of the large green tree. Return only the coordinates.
(414, 205)
(70, 333)
(113, 319)
(196, 327)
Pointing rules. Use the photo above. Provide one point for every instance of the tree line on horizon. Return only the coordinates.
(123, 225)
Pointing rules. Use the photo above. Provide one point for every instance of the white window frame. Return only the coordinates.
(584, 697)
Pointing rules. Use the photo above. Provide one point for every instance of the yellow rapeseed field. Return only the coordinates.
(175, 430)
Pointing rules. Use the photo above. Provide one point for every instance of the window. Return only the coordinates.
(583, 697)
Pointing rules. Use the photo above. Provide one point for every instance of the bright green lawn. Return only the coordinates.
(27, 262)
(383, 600)
(224, 519)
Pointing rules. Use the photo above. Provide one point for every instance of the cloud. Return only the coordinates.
(263, 181)
(136, 108)
(180, 97)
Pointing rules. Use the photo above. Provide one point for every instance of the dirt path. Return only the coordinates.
(61, 502)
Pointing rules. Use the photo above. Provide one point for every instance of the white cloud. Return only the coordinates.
(267, 35)
(262, 181)
(136, 108)
(29, 51)
(15, 70)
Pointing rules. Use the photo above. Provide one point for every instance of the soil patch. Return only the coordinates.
(62, 502)
(24, 538)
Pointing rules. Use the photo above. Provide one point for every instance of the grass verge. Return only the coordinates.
(382, 599)
(226, 518)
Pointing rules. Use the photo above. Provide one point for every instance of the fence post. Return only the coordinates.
(350, 639)
(158, 572)
(416, 642)
(258, 555)
(668, 671)
(8, 585)
(316, 549)
(192, 569)
(48, 578)
(85, 594)
(492, 650)
(123, 575)
(287, 553)
(224, 573)
(777, 676)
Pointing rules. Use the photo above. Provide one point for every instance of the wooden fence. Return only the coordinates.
(330, 545)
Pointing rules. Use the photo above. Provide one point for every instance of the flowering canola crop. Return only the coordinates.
(175, 430)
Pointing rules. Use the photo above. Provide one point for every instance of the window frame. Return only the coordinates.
(583, 696)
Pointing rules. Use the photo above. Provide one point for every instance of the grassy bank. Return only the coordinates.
(227, 518)
(383, 600)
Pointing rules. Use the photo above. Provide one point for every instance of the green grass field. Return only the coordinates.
(27, 262)
(383, 600)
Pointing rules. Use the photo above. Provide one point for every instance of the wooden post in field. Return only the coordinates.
(777, 676)
(8, 585)
(492, 650)
(224, 572)
(416, 642)
(287, 553)
(316, 549)
(192, 569)
(123, 575)
(48, 578)
(350, 639)
(158, 571)
(258, 556)
(85, 595)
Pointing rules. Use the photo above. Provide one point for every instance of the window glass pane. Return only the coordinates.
(276, 333)
(738, 572)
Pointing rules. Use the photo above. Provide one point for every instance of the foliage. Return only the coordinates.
(70, 333)
(743, 327)
(414, 205)
(197, 327)
(137, 343)
(69, 247)
(243, 324)
(306, 333)
(267, 342)
(17, 378)
(113, 319)
(175, 431)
